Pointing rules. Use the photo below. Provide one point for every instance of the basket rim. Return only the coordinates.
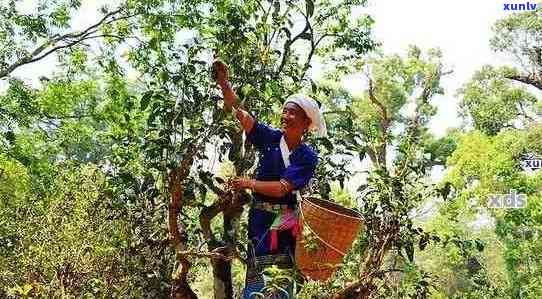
(309, 198)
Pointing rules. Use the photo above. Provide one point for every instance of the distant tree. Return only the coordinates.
(520, 35)
(494, 103)
(376, 125)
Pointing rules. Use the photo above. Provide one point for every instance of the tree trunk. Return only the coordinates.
(364, 288)
(529, 79)
(222, 282)
(231, 206)
(180, 288)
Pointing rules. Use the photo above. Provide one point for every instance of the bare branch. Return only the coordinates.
(289, 43)
(69, 39)
(321, 38)
(414, 130)
(210, 254)
(530, 79)
(384, 125)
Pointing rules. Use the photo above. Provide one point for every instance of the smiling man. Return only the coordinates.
(286, 165)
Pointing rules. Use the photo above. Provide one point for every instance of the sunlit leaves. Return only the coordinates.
(108, 127)
(19, 105)
(520, 35)
(493, 102)
(61, 98)
(14, 181)
(357, 37)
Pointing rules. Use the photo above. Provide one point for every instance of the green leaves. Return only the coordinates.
(493, 101)
(146, 100)
(134, 117)
(409, 250)
(61, 16)
(520, 36)
(309, 6)
(14, 182)
(356, 37)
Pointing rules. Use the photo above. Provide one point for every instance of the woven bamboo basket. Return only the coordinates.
(328, 231)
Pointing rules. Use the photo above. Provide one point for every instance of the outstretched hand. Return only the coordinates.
(221, 76)
(246, 120)
(220, 72)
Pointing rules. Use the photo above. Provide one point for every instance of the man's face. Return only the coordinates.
(294, 118)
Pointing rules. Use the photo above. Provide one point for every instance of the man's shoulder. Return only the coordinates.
(272, 130)
(307, 152)
(265, 131)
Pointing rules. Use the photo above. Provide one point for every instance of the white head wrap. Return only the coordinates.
(313, 112)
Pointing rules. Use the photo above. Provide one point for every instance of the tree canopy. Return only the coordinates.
(114, 169)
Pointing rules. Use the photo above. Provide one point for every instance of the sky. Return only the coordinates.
(86, 16)
(460, 28)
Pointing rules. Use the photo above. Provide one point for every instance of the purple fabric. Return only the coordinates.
(303, 161)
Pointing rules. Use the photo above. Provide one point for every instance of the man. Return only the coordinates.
(286, 165)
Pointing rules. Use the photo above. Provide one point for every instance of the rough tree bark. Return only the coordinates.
(531, 80)
(180, 288)
(231, 206)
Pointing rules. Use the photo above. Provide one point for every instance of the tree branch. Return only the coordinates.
(374, 100)
(530, 80)
(214, 254)
(289, 43)
(414, 130)
(70, 39)
(228, 201)
(384, 125)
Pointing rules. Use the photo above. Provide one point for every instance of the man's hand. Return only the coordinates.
(220, 73)
(240, 183)
(270, 188)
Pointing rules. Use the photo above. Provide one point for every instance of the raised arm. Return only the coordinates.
(220, 73)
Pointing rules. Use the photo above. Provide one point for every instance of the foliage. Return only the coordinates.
(520, 36)
(93, 159)
(494, 103)
(493, 168)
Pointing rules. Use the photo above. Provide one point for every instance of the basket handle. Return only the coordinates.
(286, 158)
